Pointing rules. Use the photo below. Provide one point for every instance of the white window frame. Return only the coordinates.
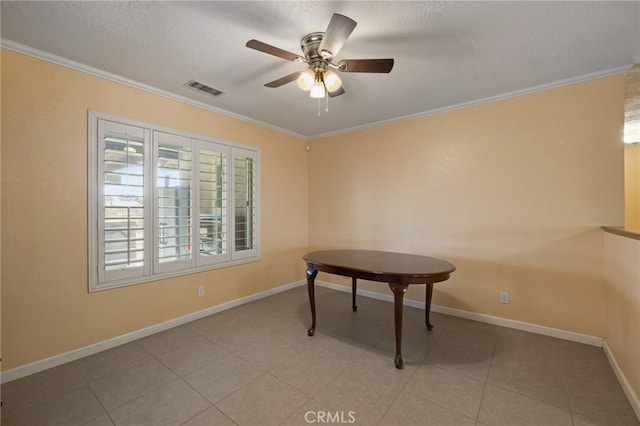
(101, 279)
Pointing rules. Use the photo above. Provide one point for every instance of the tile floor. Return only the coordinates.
(255, 365)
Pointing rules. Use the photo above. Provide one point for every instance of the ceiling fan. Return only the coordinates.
(320, 49)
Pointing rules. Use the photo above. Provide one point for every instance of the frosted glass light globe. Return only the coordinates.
(305, 80)
(317, 91)
(332, 81)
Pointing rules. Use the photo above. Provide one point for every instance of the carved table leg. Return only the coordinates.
(353, 294)
(311, 276)
(427, 306)
(398, 295)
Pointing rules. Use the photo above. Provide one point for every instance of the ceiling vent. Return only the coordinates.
(203, 88)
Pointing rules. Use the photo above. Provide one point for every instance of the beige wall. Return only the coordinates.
(512, 192)
(46, 309)
(622, 272)
(632, 187)
(632, 151)
(0, 217)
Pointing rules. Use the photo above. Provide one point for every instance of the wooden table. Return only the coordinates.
(398, 269)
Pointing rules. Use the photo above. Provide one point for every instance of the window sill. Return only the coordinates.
(622, 231)
(172, 274)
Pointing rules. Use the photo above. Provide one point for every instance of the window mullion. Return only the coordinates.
(195, 203)
(154, 200)
(231, 203)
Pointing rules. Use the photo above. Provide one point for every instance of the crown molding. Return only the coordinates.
(77, 66)
(507, 95)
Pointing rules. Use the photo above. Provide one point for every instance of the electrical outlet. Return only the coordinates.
(504, 297)
(200, 291)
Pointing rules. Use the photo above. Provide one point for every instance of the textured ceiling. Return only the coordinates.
(446, 53)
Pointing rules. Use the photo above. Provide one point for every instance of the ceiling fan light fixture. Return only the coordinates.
(319, 50)
(332, 81)
(317, 91)
(305, 80)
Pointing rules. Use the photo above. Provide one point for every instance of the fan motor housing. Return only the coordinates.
(310, 44)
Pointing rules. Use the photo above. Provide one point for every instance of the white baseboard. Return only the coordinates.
(626, 386)
(56, 360)
(489, 319)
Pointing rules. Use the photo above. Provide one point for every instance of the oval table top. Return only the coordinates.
(381, 265)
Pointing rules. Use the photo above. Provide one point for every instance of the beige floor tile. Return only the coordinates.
(577, 357)
(210, 417)
(295, 333)
(191, 357)
(220, 378)
(213, 324)
(270, 322)
(460, 359)
(240, 313)
(76, 407)
(501, 407)
(346, 395)
(379, 332)
(266, 351)
(595, 374)
(409, 410)
(103, 420)
(170, 340)
(283, 311)
(314, 412)
(415, 345)
(448, 389)
(550, 375)
(253, 312)
(335, 347)
(39, 388)
(236, 337)
(263, 401)
(580, 420)
(529, 348)
(603, 420)
(476, 336)
(126, 385)
(111, 361)
(172, 404)
(547, 386)
(367, 387)
(601, 405)
(309, 370)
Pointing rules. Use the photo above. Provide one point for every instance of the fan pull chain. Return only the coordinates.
(319, 109)
(326, 97)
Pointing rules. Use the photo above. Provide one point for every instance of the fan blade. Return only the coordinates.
(337, 92)
(339, 29)
(365, 65)
(283, 80)
(272, 50)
